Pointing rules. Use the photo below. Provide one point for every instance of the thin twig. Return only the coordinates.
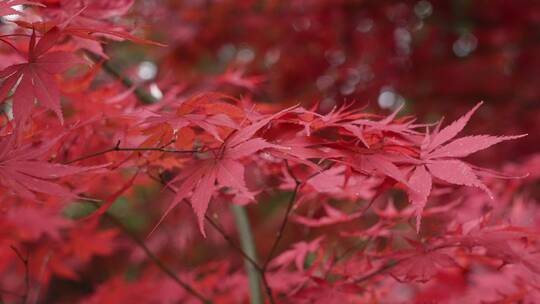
(285, 220)
(25, 261)
(279, 236)
(231, 242)
(41, 275)
(157, 261)
(249, 259)
(214, 225)
(347, 251)
(378, 271)
(117, 148)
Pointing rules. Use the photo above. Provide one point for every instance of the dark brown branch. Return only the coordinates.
(112, 70)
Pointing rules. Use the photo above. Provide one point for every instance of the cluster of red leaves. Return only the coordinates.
(385, 209)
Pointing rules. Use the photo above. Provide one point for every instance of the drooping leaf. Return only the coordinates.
(25, 173)
(420, 187)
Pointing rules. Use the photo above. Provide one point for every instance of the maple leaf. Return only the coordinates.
(336, 181)
(439, 160)
(32, 223)
(24, 173)
(223, 168)
(422, 266)
(35, 78)
(205, 111)
(503, 242)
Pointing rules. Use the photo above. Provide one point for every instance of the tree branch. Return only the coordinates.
(188, 288)
(112, 70)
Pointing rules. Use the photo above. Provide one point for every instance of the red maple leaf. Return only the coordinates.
(35, 78)
(439, 159)
(23, 171)
(223, 168)
(33, 223)
(422, 265)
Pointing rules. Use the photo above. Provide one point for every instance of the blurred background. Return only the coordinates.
(437, 57)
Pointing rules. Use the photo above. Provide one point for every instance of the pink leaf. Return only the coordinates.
(25, 173)
(422, 266)
(249, 147)
(456, 172)
(420, 187)
(452, 130)
(231, 174)
(201, 197)
(386, 167)
(465, 146)
(36, 77)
